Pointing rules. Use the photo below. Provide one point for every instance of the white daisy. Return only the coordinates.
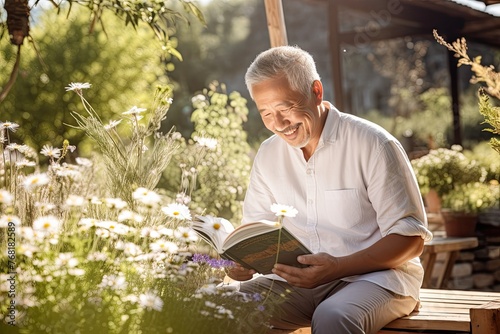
(185, 234)
(178, 211)
(35, 180)
(130, 215)
(25, 163)
(112, 124)
(87, 223)
(8, 220)
(217, 223)
(47, 224)
(134, 111)
(66, 260)
(5, 197)
(163, 245)
(150, 301)
(9, 126)
(77, 86)
(115, 282)
(146, 197)
(281, 210)
(115, 203)
(113, 226)
(83, 162)
(210, 143)
(74, 200)
(51, 152)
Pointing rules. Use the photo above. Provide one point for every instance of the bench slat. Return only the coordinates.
(448, 311)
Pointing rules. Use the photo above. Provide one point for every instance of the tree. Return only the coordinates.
(156, 15)
(123, 67)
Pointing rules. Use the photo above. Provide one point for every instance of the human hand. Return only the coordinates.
(321, 269)
(240, 273)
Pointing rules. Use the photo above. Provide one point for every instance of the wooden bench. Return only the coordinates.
(447, 311)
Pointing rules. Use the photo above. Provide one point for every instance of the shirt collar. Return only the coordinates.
(332, 123)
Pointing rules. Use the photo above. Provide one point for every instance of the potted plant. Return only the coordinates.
(460, 207)
(441, 170)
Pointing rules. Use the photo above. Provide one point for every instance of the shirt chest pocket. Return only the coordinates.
(343, 207)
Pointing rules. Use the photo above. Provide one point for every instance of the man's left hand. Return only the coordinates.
(321, 269)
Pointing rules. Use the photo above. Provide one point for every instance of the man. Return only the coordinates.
(360, 209)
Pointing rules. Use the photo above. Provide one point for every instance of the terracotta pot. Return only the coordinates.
(459, 224)
(432, 201)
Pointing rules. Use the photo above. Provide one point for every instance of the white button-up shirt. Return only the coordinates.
(356, 188)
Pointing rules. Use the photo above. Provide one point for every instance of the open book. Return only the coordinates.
(253, 245)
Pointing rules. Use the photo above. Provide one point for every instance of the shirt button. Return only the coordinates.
(309, 201)
(309, 171)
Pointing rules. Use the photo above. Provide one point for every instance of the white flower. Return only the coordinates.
(76, 271)
(210, 143)
(14, 147)
(35, 180)
(183, 198)
(77, 86)
(131, 249)
(87, 223)
(115, 203)
(115, 282)
(130, 215)
(83, 162)
(45, 207)
(112, 124)
(217, 223)
(113, 226)
(208, 289)
(25, 163)
(149, 232)
(178, 211)
(97, 256)
(51, 152)
(146, 196)
(74, 200)
(150, 301)
(5, 197)
(165, 231)
(281, 210)
(163, 245)
(185, 234)
(9, 126)
(66, 260)
(102, 233)
(134, 111)
(6, 219)
(47, 224)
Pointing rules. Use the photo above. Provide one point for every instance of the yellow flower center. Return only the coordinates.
(176, 213)
(216, 226)
(46, 225)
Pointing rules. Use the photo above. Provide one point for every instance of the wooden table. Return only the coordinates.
(451, 247)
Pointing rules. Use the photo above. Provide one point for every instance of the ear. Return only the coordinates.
(317, 90)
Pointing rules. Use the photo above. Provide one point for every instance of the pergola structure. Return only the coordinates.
(388, 19)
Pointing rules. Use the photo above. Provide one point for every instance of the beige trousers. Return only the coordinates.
(335, 308)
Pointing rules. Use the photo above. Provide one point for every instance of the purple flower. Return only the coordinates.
(214, 263)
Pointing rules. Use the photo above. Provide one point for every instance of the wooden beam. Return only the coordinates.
(276, 22)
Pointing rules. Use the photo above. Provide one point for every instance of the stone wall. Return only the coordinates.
(479, 268)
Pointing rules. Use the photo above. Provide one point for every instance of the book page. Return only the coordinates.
(259, 252)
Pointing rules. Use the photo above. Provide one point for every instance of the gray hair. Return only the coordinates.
(295, 64)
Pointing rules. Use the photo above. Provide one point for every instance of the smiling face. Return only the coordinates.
(288, 114)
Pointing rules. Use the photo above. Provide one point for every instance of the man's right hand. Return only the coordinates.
(240, 273)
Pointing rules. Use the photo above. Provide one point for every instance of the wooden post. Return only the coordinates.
(336, 54)
(276, 22)
(485, 319)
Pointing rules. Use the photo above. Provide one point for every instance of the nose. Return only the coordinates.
(280, 121)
